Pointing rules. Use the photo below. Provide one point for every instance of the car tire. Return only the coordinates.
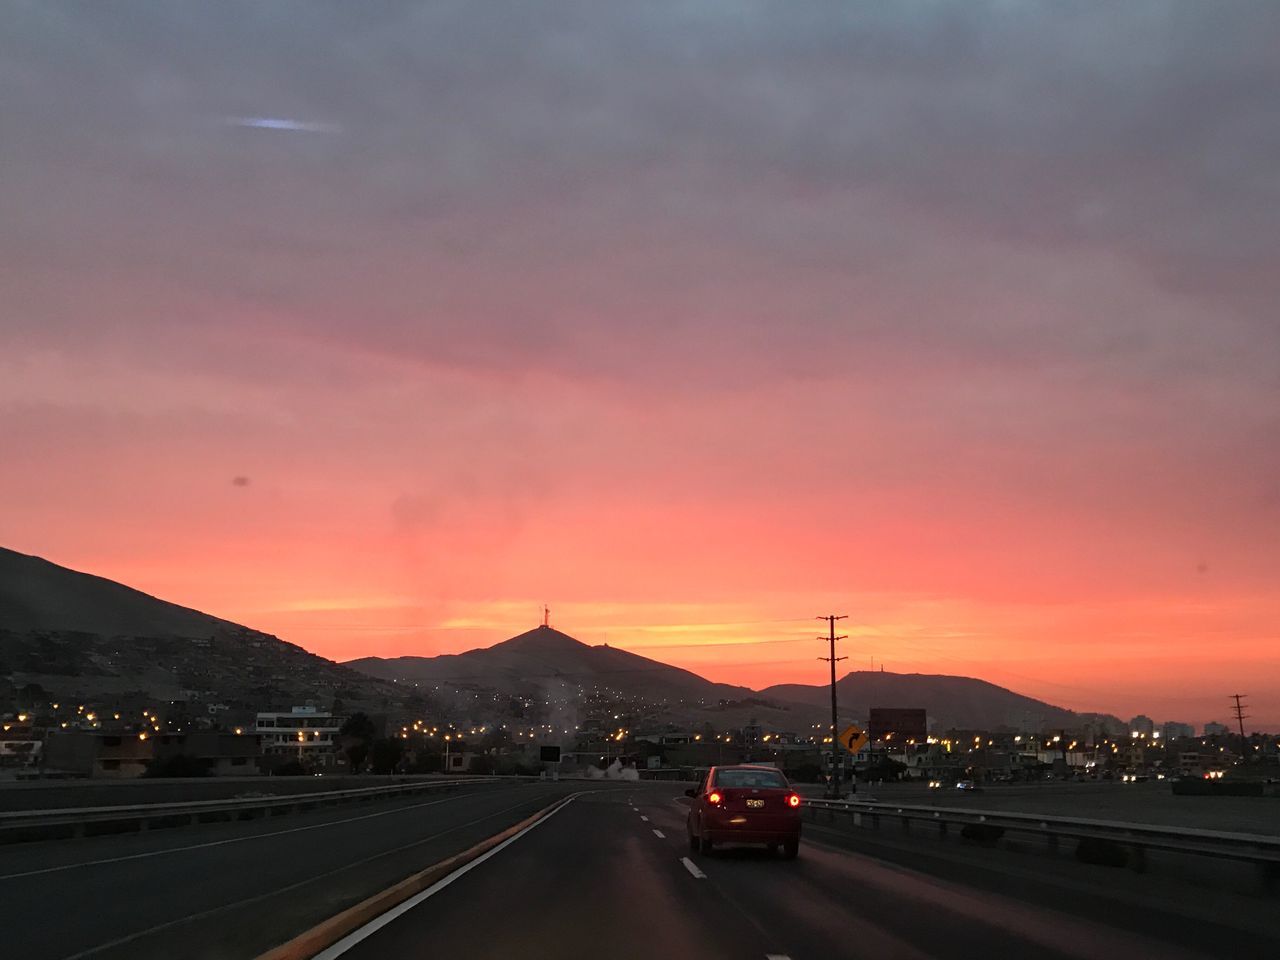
(693, 842)
(775, 849)
(705, 846)
(791, 849)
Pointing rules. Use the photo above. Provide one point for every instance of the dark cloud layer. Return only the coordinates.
(587, 186)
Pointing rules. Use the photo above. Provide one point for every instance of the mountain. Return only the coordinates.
(545, 657)
(951, 702)
(38, 595)
(546, 660)
(546, 673)
(76, 634)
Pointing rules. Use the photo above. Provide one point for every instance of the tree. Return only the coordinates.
(355, 735)
(884, 768)
(385, 753)
(32, 695)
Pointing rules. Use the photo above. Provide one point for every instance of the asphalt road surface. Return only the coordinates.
(611, 875)
(608, 875)
(232, 890)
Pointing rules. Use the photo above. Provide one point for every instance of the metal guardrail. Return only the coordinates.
(143, 814)
(1139, 837)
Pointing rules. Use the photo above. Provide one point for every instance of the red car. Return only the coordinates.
(745, 804)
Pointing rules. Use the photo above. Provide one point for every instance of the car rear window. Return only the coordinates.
(750, 778)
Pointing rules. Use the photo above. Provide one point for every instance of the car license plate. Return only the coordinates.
(755, 803)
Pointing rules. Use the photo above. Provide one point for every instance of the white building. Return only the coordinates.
(304, 733)
(1173, 730)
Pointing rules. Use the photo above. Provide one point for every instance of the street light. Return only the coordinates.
(447, 738)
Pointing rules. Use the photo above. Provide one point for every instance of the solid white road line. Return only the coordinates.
(692, 868)
(377, 923)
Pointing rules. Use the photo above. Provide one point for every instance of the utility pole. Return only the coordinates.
(1240, 715)
(831, 638)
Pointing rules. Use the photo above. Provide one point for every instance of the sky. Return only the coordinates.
(378, 326)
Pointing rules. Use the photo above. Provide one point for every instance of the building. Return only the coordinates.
(1142, 726)
(218, 754)
(305, 734)
(1173, 730)
(99, 754)
(1199, 764)
(1215, 729)
(85, 753)
(19, 745)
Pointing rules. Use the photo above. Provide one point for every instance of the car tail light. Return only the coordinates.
(713, 797)
(793, 800)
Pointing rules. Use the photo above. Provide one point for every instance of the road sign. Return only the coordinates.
(853, 738)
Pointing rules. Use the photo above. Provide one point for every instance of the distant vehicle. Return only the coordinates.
(935, 784)
(744, 804)
(966, 785)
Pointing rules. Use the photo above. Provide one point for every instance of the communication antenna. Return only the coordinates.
(546, 616)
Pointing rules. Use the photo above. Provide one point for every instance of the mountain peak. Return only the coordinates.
(540, 637)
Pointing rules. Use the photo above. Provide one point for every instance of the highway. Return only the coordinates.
(609, 873)
(231, 890)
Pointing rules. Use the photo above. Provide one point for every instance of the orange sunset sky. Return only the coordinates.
(376, 331)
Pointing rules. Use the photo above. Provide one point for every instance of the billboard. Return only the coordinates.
(897, 723)
(549, 754)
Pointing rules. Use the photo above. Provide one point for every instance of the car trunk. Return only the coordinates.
(756, 808)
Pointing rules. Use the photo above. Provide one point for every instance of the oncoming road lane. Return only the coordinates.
(232, 890)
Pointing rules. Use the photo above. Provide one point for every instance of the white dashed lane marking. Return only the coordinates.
(644, 818)
(659, 834)
(693, 868)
